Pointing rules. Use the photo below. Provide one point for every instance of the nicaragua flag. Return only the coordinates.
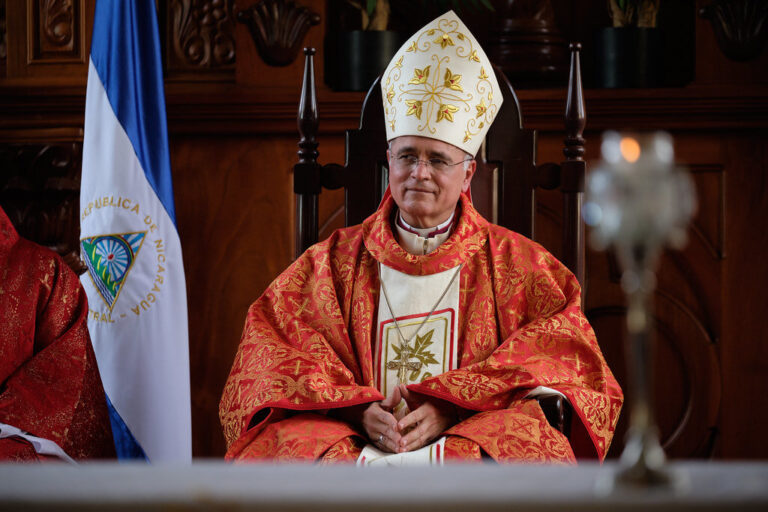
(129, 241)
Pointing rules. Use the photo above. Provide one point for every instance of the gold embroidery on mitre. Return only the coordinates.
(414, 108)
(446, 111)
(445, 58)
(444, 40)
(481, 108)
(452, 81)
(484, 112)
(419, 76)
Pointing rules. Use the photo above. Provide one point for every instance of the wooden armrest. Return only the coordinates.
(557, 411)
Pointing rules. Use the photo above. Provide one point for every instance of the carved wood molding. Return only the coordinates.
(200, 37)
(40, 192)
(278, 28)
(710, 230)
(56, 31)
(740, 26)
(267, 112)
(57, 22)
(227, 109)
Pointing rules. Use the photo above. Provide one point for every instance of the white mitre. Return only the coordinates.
(440, 84)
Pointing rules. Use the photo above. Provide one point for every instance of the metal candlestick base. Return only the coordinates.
(642, 461)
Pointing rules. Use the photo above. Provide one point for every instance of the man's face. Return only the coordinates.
(425, 195)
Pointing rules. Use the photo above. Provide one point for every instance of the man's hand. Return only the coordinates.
(429, 417)
(380, 424)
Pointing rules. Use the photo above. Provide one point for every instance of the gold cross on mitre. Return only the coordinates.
(403, 365)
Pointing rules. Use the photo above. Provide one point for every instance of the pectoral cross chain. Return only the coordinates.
(403, 365)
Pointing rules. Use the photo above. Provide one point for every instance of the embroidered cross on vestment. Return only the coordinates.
(403, 365)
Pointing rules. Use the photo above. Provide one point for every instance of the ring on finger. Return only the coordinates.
(381, 437)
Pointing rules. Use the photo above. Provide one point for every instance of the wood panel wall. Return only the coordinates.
(233, 143)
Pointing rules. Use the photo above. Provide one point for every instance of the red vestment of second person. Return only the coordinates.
(49, 382)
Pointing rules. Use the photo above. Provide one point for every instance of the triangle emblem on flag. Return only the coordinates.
(109, 258)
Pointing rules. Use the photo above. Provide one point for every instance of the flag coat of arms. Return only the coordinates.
(129, 240)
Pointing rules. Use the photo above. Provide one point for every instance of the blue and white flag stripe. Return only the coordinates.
(126, 54)
(140, 339)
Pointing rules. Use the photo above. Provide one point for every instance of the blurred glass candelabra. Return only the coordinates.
(638, 202)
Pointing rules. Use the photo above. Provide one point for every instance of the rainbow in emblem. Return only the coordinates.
(109, 259)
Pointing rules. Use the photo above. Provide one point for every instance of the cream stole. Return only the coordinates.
(432, 348)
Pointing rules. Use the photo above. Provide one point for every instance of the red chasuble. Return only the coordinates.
(49, 382)
(307, 349)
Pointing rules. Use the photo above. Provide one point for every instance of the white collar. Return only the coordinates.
(421, 241)
(425, 232)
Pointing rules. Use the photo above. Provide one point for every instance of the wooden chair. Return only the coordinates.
(503, 188)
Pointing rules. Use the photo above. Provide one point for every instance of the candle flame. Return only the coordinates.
(630, 149)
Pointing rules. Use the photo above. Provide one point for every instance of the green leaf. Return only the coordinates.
(488, 5)
(460, 5)
(474, 5)
(370, 6)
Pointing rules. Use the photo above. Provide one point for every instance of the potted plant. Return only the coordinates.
(358, 44)
(630, 52)
(375, 13)
(639, 13)
(356, 56)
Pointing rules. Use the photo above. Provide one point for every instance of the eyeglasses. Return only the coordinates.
(410, 163)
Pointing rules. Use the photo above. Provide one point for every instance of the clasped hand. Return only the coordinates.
(429, 417)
